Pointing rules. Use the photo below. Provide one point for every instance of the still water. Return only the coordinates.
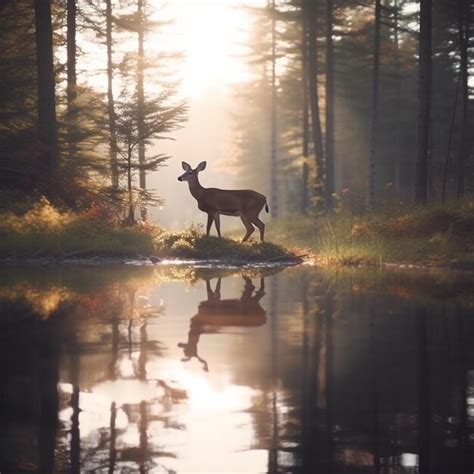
(179, 369)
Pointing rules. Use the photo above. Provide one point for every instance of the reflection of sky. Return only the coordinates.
(172, 413)
(203, 418)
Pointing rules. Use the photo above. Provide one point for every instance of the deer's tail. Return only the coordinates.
(266, 208)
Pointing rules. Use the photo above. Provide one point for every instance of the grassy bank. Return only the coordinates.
(44, 231)
(433, 235)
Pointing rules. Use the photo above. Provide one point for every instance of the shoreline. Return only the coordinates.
(281, 261)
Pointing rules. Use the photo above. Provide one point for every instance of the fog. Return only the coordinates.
(207, 136)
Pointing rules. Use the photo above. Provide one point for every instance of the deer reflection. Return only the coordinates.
(216, 313)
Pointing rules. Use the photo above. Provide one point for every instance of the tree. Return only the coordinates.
(330, 105)
(71, 74)
(375, 106)
(464, 34)
(310, 9)
(305, 110)
(159, 119)
(141, 100)
(110, 96)
(47, 126)
(424, 103)
(273, 115)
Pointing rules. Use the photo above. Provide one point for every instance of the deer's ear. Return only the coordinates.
(201, 166)
(186, 166)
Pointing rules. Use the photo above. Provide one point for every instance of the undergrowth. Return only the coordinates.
(44, 230)
(433, 234)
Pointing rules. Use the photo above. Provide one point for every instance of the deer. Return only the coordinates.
(244, 203)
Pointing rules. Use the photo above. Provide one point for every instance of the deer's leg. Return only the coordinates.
(217, 220)
(260, 225)
(217, 291)
(248, 225)
(210, 220)
(261, 291)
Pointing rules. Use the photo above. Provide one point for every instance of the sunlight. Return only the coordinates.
(211, 34)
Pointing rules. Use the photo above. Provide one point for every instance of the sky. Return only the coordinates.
(212, 36)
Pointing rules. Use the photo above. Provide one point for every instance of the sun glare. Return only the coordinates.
(212, 35)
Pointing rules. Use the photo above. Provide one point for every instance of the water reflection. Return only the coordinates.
(299, 371)
(216, 314)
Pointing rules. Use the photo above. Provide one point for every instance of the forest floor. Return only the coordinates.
(441, 236)
(431, 236)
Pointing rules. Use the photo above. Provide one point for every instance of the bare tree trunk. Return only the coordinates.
(141, 104)
(375, 107)
(464, 15)
(47, 127)
(424, 103)
(110, 98)
(450, 140)
(304, 91)
(71, 76)
(329, 185)
(310, 8)
(273, 125)
(131, 210)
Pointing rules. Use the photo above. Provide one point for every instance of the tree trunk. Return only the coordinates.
(71, 77)
(110, 98)
(424, 103)
(464, 15)
(329, 185)
(47, 127)
(273, 124)
(398, 144)
(310, 8)
(141, 104)
(131, 207)
(374, 110)
(304, 92)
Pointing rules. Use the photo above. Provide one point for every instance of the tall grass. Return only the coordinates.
(432, 234)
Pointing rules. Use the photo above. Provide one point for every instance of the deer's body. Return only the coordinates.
(245, 203)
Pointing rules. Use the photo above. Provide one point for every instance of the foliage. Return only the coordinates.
(159, 119)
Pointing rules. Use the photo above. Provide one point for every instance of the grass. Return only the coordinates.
(191, 244)
(433, 235)
(45, 231)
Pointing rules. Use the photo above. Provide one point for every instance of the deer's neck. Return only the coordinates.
(196, 189)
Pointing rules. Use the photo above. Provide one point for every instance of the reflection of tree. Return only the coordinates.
(273, 451)
(75, 449)
(424, 394)
(49, 401)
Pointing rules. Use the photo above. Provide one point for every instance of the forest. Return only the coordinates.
(354, 122)
(336, 335)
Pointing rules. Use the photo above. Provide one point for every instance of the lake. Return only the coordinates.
(173, 368)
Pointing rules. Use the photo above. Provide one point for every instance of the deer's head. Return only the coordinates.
(190, 173)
